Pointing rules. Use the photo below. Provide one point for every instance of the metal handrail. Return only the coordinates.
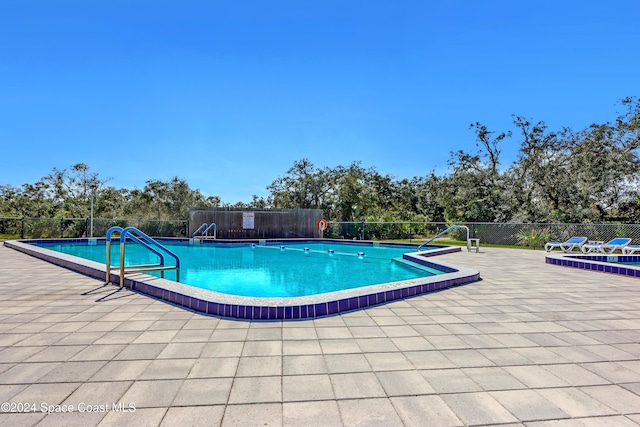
(120, 230)
(205, 230)
(453, 227)
(114, 229)
(204, 225)
(146, 242)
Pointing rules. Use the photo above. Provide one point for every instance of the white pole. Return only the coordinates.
(93, 192)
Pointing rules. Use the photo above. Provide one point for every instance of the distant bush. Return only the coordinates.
(533, 238)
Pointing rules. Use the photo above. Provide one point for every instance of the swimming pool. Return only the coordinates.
(270, 270)
(371, 280)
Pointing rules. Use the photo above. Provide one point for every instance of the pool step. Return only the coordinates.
(416, 265)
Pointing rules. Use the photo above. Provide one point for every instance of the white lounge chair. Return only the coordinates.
(617, 244)
(631, 249)
(568, 246)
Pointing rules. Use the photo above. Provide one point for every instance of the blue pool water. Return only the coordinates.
(268, 270)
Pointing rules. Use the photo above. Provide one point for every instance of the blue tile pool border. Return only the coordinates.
(253, 308)
(602, 263)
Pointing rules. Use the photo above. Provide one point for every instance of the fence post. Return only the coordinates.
(62, 228)
(22, 228)
(362, 232)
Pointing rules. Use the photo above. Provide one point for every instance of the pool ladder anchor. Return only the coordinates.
(147, 242)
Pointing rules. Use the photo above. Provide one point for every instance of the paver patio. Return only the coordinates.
(530, 344)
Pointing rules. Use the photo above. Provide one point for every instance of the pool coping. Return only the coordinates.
(600, 262)
(254, 308)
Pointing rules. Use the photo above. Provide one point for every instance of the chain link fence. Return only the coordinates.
(46, 228)
(493, 233)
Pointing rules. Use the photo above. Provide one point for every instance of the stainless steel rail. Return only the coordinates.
(453, 227)
(139, 237)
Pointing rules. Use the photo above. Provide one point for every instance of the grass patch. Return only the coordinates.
(451, 242)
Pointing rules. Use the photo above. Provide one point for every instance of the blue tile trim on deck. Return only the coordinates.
(601, 263)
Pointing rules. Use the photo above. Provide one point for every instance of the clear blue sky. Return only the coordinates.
(228, 94)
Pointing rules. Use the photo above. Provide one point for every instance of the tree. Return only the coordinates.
(303, 186)
(110, 202)
(71, 190)
(608, 164)
(31, 200)
(428, 192)
(541, 182)
(166, 200)
(474, 189)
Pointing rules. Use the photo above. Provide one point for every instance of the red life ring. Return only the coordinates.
(322, 224)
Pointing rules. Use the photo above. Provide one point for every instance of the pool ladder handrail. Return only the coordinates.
(204, 230)
(453, 227)
(146, 242)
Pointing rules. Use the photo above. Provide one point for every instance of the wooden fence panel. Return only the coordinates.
(258, 223)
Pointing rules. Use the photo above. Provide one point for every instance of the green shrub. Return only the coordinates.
(533, 238)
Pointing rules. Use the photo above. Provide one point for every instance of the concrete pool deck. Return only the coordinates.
(530, 344)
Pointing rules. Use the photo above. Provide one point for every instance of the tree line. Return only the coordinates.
(566, 176)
